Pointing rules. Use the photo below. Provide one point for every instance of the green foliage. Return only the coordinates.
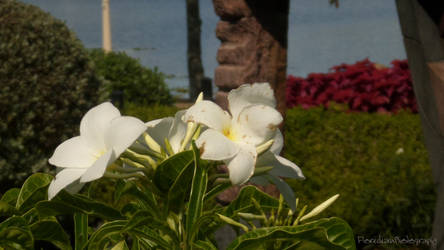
(139, 84)
(47, 84)
(376, 162)
(149, 113)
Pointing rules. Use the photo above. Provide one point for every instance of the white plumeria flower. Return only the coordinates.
(234, 138)
(104, 135)
(171, 128)
(177, 132)
(281, 168)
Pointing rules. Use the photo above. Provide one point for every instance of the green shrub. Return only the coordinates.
(47, 84)
(139, 84)
(148, 113)
(383, 191)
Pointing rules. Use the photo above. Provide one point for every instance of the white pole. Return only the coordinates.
(106, 26)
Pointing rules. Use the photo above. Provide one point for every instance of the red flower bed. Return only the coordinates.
(363, 86)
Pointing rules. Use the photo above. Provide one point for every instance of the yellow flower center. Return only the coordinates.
(229, 133)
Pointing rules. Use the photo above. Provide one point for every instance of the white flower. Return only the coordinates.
(104, 135)
(171, 128)
(234, 138)
(281, 168)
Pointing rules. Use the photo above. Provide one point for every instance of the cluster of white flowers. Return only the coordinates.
(245, 139)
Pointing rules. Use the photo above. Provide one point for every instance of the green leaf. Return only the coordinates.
(6, 209)
(329, 233)
(51, 231)
(10, 197)
(15, 234)
(147, 218)
(80, 230)
(204, 245)
(243, 202)
(198, 190)
(216, 190)
(180, 188)
(149, 237)
(146, 198)
(33, 190)
(167, 172)
(65, 203)
(106, 234)
(120, 246)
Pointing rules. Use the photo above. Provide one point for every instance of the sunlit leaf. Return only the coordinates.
(15, 234)
(51, 231)
(33, 190)
(328, 233)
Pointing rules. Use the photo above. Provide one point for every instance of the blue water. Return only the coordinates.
(320, 35)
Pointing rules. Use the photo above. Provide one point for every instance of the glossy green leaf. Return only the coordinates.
(124, 188)
(6, 209)
(15, 234)
(243, 202)
(150, 237)
(180, 188)
(105, 235)
(216, 190)
(328, 233)
(51, 231)
(33, 190)
(65, 203)
(167, 172)
(120, 246)
(197, 194)
(10, 196)
(142, 218)
(80, 230)
(204, 245)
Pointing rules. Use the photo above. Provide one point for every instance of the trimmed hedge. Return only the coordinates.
(138, 84)
(376, 162)
(47, 84)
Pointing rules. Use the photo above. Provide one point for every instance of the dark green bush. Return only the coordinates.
(139, 84)
(46, 85)
(383, 191)
(149, 112)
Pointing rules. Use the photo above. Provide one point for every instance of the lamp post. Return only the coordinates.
(106, 27)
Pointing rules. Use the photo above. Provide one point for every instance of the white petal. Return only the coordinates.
(215, 146)
(95, 122)
(247, 94)
(281, 166)
(285, 190)
(159, 130)
(257, 124)
(241, 167)
(63, 179)
(73, 153)
(177, 131)
(278, 144)
(97, 170)
(209, 114)
(122, 132)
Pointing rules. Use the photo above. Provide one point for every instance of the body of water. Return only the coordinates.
(320, 35)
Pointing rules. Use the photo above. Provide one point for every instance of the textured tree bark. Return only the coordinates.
(195, 69)
(254, 46)
(425, 55)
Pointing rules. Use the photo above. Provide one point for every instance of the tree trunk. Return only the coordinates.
(195, 69)
(425, 55)
(254, 46)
